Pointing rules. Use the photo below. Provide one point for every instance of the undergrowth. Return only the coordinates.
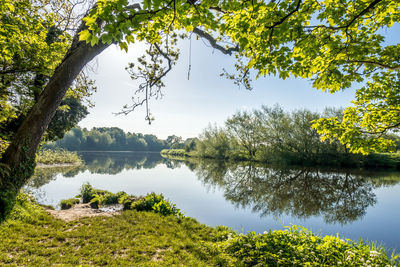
(59, 156)
(32, 237)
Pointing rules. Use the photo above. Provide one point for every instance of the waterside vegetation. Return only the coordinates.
(59, 156)
(271, 135)
(30, 236)
(111, 139)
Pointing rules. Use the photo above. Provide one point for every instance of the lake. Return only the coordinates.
(245, 197)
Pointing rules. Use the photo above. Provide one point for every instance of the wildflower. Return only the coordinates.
(374, 253)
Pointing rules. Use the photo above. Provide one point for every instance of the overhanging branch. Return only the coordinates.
(213, 42)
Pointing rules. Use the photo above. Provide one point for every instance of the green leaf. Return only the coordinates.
(123, 46)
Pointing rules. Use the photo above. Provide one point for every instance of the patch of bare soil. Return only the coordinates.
(158, 256)
(79, 211)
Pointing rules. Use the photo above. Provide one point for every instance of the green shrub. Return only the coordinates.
(165, 208)
(96, 201)
(156, 203)
(99, 197)
(110, 198)
(68, 203)
(296, 246)
(88, 192)
(147, 203)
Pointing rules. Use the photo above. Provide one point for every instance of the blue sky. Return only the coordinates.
(188, 106)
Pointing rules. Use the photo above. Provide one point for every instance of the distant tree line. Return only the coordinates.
(273, 135)
(113, 139)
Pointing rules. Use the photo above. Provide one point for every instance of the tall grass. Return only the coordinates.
(59, 156)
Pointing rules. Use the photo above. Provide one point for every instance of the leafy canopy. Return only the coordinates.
(335, 44)
(34, 38)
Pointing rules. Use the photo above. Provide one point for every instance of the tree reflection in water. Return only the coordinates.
(337, 196)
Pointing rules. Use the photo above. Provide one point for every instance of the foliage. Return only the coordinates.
(174, 152)
(244, 128)
(68, 203)
(272, 135)
(59, 156)
(35, 38)
(156, 203)
(335, 45)
(88, 193)
(108, 138)
(33, 237)
(214, 143)
(296, 246)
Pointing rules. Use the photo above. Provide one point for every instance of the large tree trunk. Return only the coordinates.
(18, 160)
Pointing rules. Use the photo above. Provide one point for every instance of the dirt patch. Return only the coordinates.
(79, 211)
(158, 256)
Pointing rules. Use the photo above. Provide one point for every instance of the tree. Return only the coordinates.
(246, 128)
(333, 43)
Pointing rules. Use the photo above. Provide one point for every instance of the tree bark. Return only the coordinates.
(18, 160)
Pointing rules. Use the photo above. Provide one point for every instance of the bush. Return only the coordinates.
(110, 198)
(156, 203)
(97, 197)
(296, 246)
(88, 192)
(68, 203)
(147, 203)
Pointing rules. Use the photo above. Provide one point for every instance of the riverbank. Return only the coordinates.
(31, 236)
(57, 158)
(371, 161)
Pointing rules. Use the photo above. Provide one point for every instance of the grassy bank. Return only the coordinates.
(59, 156)
(30, 236)
(176, 153)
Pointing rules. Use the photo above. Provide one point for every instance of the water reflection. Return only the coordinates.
(338, 196)
(102, 163)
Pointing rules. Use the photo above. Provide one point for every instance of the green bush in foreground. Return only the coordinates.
(296, 246)
(68, 203)
(156, 203)
(59, 156)
(88, 193)
(151, 202)
(32, 237)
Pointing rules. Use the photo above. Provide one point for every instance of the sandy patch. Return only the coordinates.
(79, 211)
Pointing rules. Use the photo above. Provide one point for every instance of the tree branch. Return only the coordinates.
(213, 42)
(377, 64)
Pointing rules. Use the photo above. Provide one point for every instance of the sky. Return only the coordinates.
(189, 106)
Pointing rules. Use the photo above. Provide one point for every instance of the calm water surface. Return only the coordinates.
(244, 197)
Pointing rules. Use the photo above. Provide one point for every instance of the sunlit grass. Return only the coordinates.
(32, 237)
(49, 157)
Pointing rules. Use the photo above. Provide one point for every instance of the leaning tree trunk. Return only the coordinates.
(18, 160)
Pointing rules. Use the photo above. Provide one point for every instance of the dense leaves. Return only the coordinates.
(34, 38)
(112, 138)
(335, 44)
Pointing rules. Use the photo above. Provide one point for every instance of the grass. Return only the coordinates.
(51, 157)
(32, 237)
